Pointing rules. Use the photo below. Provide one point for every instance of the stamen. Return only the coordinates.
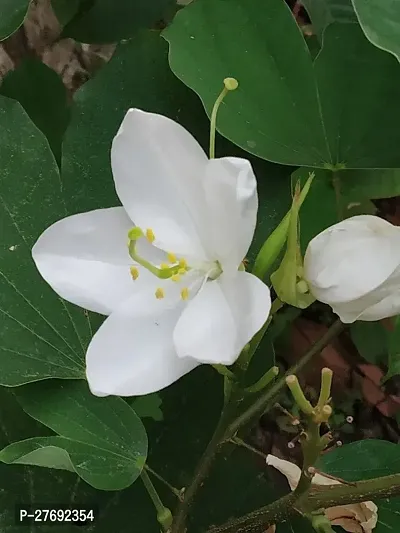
(150, 235)
(134, 273)
(171, 257)
(175, 277)
(185, 293)
(183, 263)
(159, 294)
(230, 84)
(164, 271)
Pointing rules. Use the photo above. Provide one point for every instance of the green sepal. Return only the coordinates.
(288, 280)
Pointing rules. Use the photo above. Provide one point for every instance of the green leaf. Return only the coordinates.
(374, 183)
(40, 451)
(325, 12)
(380, 21)
(13, 13)
(43, 95)
(360, 109)
(103, 437)
(41, 336)
(176, 445)
(148, 407)
(102, 21)
(274, 69)
(371, 340)
(394, 350)
(30, 485)
(360, 460)
(65, 9)
(339, 112)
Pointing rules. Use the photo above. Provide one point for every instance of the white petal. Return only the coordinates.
(133, 352)
(231, 196)
(222, 318)
(85, 259)
(290, 470)
(352, 258)
(158, 167)
(389, 306)
(368, 308)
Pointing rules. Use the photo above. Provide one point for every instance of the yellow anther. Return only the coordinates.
(171, 257)
(175, 277)
(164, 266)
(150, 235)
(185, 293)
(183, 263)
(134, 272)
(182, 271)
(159, 294)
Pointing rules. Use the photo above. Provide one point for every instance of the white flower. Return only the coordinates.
(355, 518)
(202, 213)
(354, 266)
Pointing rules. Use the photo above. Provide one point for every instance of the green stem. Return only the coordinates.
(317, 498)
(174, 490)
(326, 385)
(298, 395)
(241, 443)
(264, 401)
(164, 516)
(213, 124)
(264, 381)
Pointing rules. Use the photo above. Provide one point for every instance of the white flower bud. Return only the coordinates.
(354, 266)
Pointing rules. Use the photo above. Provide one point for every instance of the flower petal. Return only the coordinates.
(157, 167)
(85, 259)
(368, 309)
(354, 518)
(222, 318)
(231, 196)
(133, 352)
(290, 470)
(352, 258)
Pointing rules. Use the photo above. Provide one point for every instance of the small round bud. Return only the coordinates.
(349, 419)
(231, 84)
(290, 445)
(302, 286)
(339, 443)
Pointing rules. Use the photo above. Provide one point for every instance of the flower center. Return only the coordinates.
(175, 269)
